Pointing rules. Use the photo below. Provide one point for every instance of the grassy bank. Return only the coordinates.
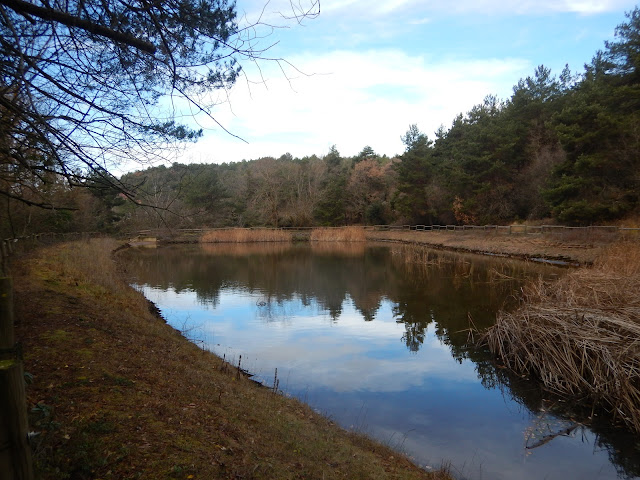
(580, 335)
(245, 235)
(117, 393)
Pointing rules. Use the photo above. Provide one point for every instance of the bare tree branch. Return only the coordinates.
(29, 9)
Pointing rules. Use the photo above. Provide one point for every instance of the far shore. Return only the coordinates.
(576, 250)
(570, 248)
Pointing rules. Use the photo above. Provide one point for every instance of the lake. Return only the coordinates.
(377, 337)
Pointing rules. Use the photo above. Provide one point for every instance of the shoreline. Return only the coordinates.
(118, 393)
(572, 249)
(544, 249)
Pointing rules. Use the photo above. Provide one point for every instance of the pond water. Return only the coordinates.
(377, 338)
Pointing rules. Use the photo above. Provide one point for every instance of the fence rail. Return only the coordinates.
(504, 229)
(524, 229)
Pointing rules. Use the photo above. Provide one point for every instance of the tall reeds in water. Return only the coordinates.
(580, 335)
(245, 235)
(340, 234)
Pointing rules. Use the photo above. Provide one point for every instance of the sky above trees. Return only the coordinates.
(362, 72)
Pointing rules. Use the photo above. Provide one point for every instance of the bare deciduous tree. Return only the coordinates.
(86, 84)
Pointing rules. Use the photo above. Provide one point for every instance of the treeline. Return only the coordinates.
(563, 148)
(292, 192)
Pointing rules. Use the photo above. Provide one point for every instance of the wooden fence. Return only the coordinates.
(552, 230)
(512, 229)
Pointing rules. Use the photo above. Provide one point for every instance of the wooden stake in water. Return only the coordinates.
(275, 381)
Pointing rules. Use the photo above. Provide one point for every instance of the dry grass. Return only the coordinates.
(551, 247)
(246, 235)
(581, 334)
(341, 234)
(119, 394)
(88, 268)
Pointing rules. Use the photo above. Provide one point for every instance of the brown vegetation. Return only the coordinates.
(245, 235)
(572, 247)
(580, 335)
(338, 234)
(117, 393)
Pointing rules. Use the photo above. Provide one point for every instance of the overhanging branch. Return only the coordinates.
(25, 8)
(44, 205)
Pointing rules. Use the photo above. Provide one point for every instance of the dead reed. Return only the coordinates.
(245, 235)
(418, 254)
(580, 335)
(340, 234)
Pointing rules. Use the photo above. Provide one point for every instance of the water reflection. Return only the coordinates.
(443, 289)
(378, 337)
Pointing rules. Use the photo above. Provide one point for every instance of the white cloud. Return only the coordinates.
(371, 96)
(352, 100)
(503, 7)
(420, 21)
(346, 360)
(275, 9)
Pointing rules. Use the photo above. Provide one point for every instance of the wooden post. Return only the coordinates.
(5, 258)
(7, 338)
(15, 452)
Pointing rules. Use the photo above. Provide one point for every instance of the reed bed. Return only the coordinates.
(341, 234)
(245, 235)
(417, 254)
(580, 335)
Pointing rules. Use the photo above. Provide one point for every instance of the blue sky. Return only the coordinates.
(364, 70)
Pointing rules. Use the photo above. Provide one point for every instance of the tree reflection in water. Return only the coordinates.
(426, 288)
